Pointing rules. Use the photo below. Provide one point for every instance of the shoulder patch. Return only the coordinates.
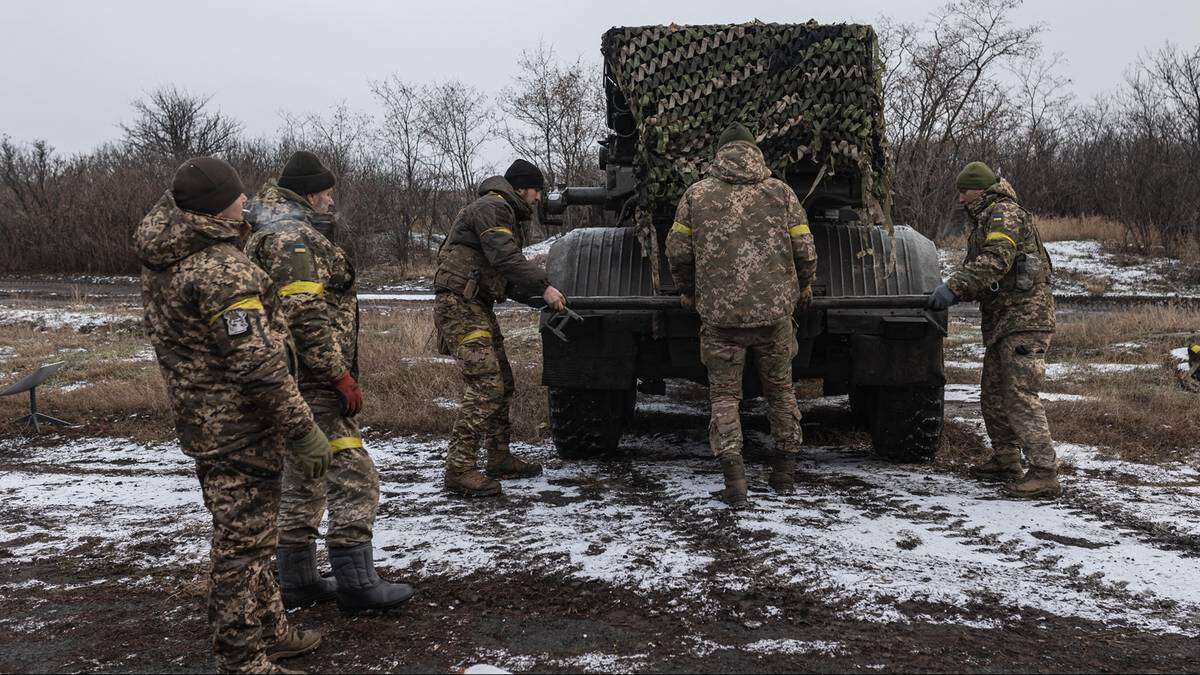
(237, 322)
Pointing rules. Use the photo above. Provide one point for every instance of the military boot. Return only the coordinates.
(471, 483)
(298, 578)
(783, 469)
(296, 643)
(503, 464)
(1039, 483)
(999, 469)
(359, 587)
(734, 493)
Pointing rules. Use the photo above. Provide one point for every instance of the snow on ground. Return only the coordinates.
(871, 534)
(970, 393)
(55, 319)
(542, 247)
(397, 297)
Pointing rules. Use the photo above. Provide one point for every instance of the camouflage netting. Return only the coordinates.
(811, 93)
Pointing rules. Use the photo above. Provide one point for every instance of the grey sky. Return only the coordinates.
(70, 69)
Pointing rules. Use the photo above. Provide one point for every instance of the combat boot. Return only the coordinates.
(359, 587)
(471, 483)
(734, 493)
(296, 643)
(999, 469)
(298, 579)
(1039, 483)
(504, 464)
(783, 469)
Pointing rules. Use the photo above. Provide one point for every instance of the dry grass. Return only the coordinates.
(1158, 329)
(409, 388)
(1091, 227)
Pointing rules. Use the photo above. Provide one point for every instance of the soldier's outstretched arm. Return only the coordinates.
(494, 228)
(995, 259)
(804, 251)
(239, 334)
(300, 286)
(681, 254)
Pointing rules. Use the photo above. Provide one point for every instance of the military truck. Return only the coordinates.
(812, 95)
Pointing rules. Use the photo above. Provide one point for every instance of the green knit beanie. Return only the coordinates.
(735, 132)
(976, 176)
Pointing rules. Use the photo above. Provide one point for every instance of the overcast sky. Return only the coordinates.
(70, 69)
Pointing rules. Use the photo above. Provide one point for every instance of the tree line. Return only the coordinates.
(970, 82)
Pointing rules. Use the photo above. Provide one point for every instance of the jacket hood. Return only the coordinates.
(168, 234)
(273, 200)
(1002, 189)
(502, 187)
(739, 163)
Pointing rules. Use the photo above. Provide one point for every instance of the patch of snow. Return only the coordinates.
(73, 386)
(789, 646)
(57, 319)
(397, 297)
(964, 365)
(1061, 371)
(1149, 276)
(970, 393)
(542, 247)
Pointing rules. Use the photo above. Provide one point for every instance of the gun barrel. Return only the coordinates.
(668, 302)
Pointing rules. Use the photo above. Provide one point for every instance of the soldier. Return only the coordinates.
(221, 348)
(1008, 271)
(741, 253)
(318, 298)
(481, 263)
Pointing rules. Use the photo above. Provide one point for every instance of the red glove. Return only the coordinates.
(351, 393)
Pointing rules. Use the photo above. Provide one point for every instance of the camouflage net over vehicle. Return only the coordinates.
(811, 93)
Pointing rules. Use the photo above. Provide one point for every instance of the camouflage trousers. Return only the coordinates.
(1014, 368)
(244, 605)
(468, 331)
(723, 351)
(350, 488)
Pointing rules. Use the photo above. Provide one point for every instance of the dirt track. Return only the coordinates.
(631, 565)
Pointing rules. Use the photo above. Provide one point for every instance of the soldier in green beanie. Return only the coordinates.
(1007, 270)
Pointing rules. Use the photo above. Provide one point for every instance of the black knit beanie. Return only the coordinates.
(735, 132)
(305, 175)
(206, 185)
(523, 174)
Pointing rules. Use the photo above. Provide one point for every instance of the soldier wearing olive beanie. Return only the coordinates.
(976, 176)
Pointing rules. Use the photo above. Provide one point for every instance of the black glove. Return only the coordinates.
(942, 298)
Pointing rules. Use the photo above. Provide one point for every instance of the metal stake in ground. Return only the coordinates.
(30, 383)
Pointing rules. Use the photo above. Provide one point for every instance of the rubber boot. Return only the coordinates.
(503, 464)
(471, 483)
(296, 643)
(999, 469)
(298, 578)
(359, 587)
(1039, 483)
(734, 493)
(783, 469)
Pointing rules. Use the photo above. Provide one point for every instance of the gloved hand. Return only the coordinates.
(687, 300)
(805, 298)
(312, 452)
(942, 298)
(351, 393)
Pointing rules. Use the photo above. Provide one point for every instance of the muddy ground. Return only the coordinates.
(632, 565)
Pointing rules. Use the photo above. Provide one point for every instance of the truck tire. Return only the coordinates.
(588, 423)
(906, 422)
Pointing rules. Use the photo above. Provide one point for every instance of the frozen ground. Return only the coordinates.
(1083, 268)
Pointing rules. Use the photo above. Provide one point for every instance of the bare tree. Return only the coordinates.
(174, 124)
(456, 119)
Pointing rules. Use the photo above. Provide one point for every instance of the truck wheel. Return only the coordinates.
(906, 422)
(588, 423)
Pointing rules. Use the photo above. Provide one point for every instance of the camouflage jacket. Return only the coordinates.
(1007, 268)
(315, 282)
(741, 242)
(486, 243)
(221, 346)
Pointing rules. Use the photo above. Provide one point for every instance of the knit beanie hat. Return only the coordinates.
(523, 174)
(305, 175)
(735, 132)
(206, 185)
(976, 176)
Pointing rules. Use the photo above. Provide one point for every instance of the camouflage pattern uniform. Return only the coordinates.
(319, 299)
(1007, 270)
(741, 246)
(480, 264)
(223, 350)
